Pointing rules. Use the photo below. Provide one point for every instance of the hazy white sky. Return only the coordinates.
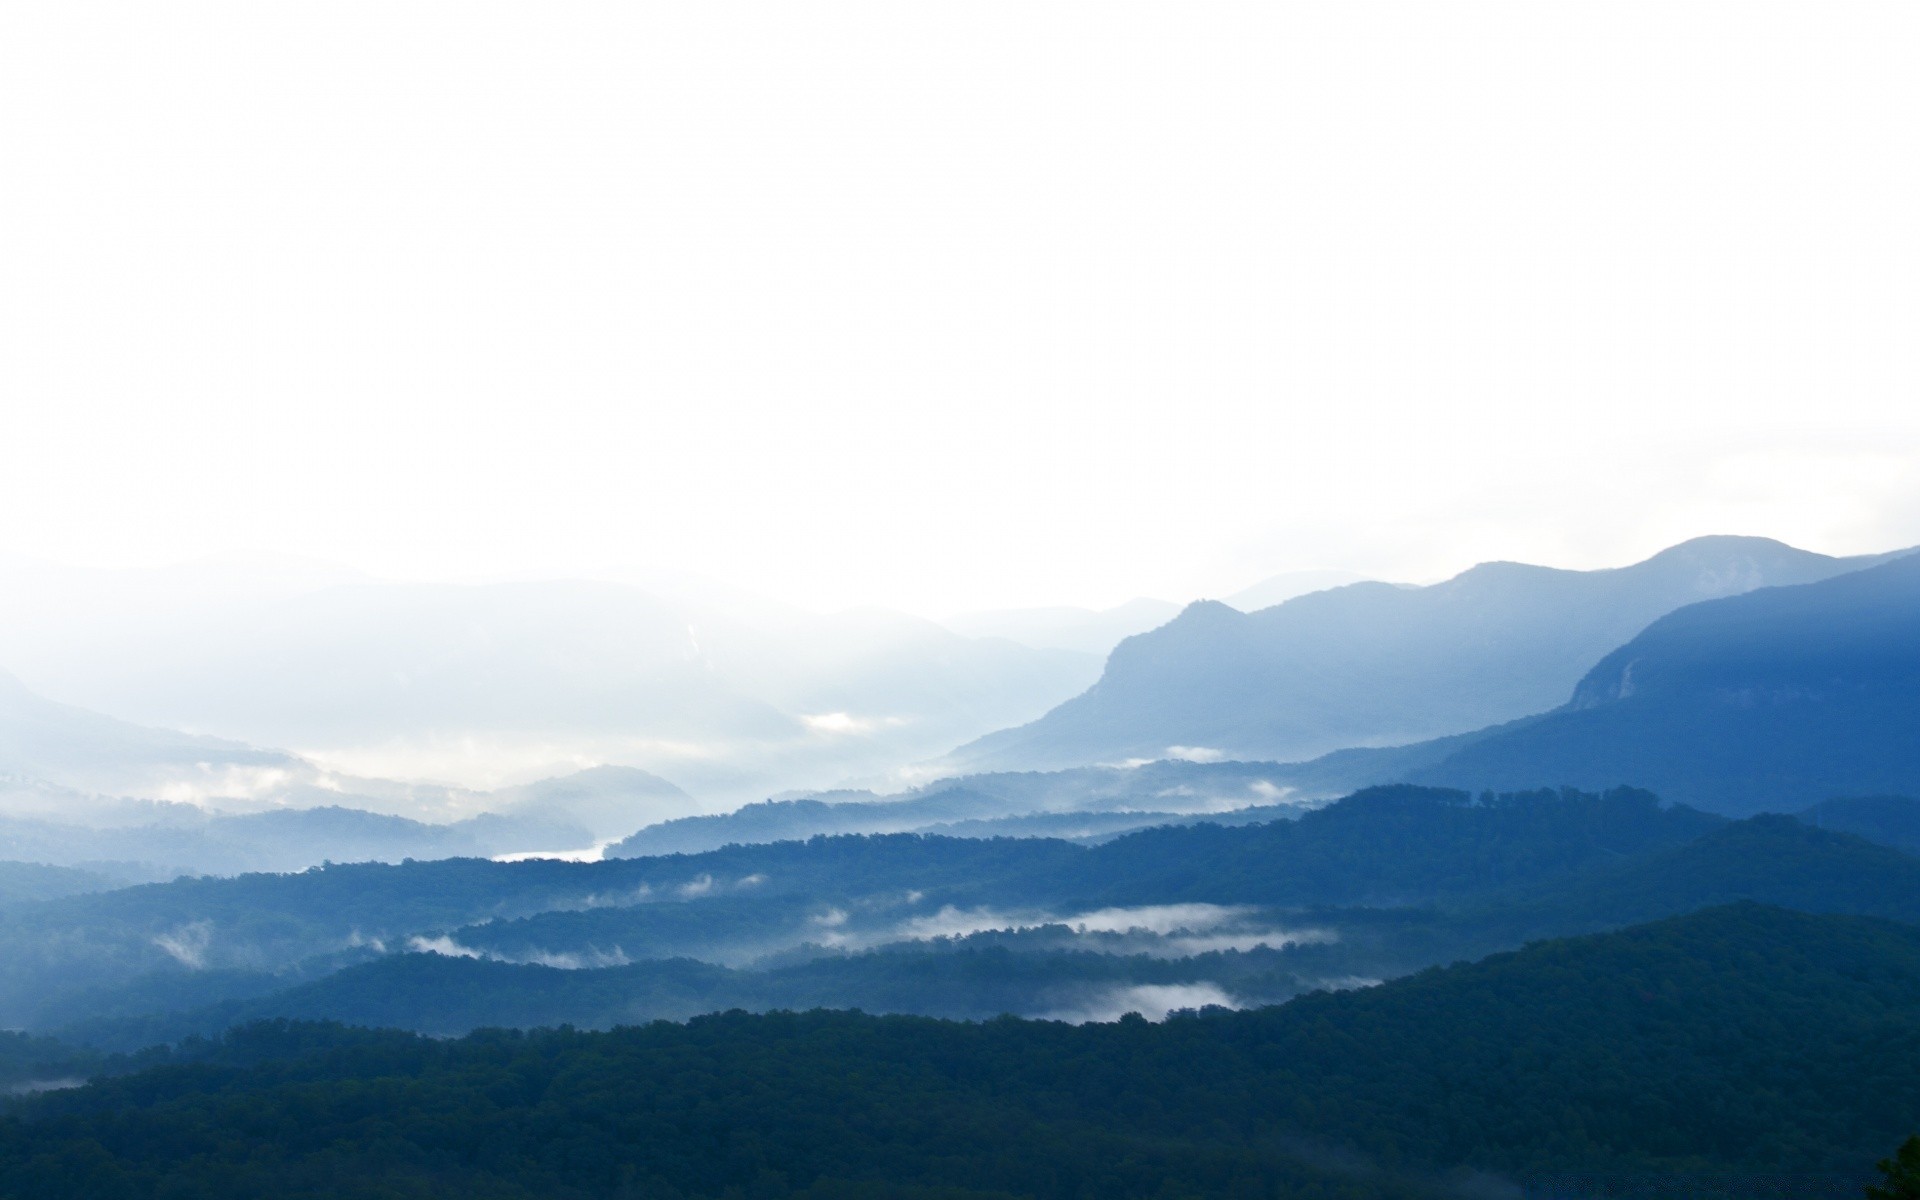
(956, 305)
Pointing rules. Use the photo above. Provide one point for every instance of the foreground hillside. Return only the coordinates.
(1739, 1039)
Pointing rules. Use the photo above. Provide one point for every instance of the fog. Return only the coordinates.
(956, 307)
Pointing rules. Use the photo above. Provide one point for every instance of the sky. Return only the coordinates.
(955, 306)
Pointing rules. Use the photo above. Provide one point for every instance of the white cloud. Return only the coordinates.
(443, 945)
(1163, 930)
(187, 944)
(565, 960)
(1199, 754)
(224, 781)
(957, 922)
(1159, 918)
(833, 918)
(839, 722)
(1152, 1001)
(575, 960)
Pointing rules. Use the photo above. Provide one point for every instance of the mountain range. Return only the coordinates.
(1505, 961)
(1773, 700)
(1716, 703)
(486, 685)
(1374, 886)
(1375, 664)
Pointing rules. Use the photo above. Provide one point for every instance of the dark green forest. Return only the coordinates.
(1697, 999)
(1738, 1039)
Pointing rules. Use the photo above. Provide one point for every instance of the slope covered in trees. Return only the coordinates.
(198, 941)
(1736, 1039)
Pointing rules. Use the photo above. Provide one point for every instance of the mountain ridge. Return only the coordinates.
(1376, 664)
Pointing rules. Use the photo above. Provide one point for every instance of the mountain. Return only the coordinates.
(493, 684)
(1401, 880)
(80, 788)
(1377, 886)
(608, 801)
(1083, 802)
(1768, 701)
(24, 881)
(158, 840)
(62, 744)
(1387, 846)
(1772, 859)
(1374, 664)
(1390, 846)
(1278, 589)
(1713, 1055)
(1085, 630)
(1889, 820)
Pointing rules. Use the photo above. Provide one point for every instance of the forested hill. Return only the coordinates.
(176, 945)
(602, 967)
(1773, 700)
(1739, 1039)
(1376, 885)
(1389, 845)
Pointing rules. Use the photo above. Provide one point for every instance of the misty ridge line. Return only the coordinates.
(894, 715)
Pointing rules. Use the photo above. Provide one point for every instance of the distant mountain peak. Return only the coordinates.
(1211, 610)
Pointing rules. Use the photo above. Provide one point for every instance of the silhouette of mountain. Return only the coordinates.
(501, 682)
(1095, 800)
(609, 801)
(1374, 664)
(59, 743)
(1768, 701)
(1889, 820)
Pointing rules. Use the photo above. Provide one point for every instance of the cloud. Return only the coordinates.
(959, 922)
(1158, 918)
(1199, 754)
(357, 940)
(589, 959)
(443, 946)
(847, 723)
(564, 960)
(224, 781)
(695, 887)
(188, 943)
(1347, 983)
(1151, 1000)
(1161, 930)
(616, 899)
